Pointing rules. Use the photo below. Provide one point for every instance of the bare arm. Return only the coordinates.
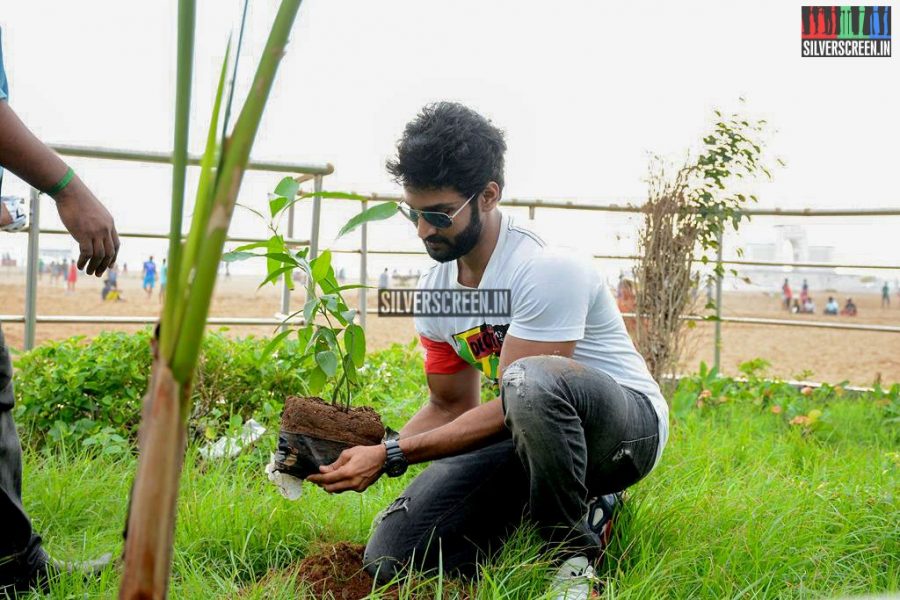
(482, 425)
(359, 467)
(82, 214)
(449, 396)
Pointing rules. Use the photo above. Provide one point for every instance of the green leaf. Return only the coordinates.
(309, 309)
(355, 342)
(304, 334)
(349, 315)
(252, 246)
(287, 188)
(237, 255)
(317, 379)
(276, 204)
(273, 344)
(328, 362)
(350, 369)
(275, 246)
(320, 265)
(283, 258)
(353, 286)
(379, 212)
(274, 275)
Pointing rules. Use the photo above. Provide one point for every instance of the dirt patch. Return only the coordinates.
(337, 569)
(315, 417)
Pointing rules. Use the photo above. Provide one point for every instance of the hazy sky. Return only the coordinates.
(584, 90)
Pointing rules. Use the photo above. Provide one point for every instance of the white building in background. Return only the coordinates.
(791, 245)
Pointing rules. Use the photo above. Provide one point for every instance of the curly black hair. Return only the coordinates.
(449, 145)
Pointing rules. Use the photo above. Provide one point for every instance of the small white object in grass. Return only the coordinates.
(289, 486)
(231, 446)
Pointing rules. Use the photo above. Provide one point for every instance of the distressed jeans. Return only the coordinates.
(575, 434)
(20, 548)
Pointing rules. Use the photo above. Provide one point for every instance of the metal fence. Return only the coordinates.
(316, 172)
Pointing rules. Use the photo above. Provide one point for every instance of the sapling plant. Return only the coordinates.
(329, 332)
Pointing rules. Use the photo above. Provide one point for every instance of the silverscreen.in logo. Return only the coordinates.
(845, 31)
(443, 303)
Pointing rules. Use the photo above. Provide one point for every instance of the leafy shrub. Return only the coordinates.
(90, 392)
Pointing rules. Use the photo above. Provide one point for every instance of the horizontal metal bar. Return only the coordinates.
(786, 323)
(761, 263)
(165, 236)
(140, 320)
(193, 159)
(631, 208)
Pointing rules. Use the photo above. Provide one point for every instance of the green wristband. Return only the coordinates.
(61, 185)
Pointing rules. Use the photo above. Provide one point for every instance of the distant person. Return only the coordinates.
(832, 307)
(110, 290)
(124, 269)
(72, 278)
(849, 309)
(804, 292)
(384, 280)
(342, 275)
(41, 268)
(163, 277)
(795, 307)
(885, 295)
(149, 273)
(809, 306)
(786, 294)
(63, 272)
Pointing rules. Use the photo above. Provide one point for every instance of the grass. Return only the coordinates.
(743, 505)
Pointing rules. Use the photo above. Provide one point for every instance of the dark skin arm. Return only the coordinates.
(81, 213)
(359, 467)
(450, 395)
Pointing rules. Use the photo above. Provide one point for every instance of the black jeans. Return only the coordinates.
(575, 434)
(20, 548)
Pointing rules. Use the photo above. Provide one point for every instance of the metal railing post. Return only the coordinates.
(316, 216)
(31, 268)
(363, 269)
(719, 276)
(286, 289)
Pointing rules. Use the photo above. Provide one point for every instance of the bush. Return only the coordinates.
(90, 392)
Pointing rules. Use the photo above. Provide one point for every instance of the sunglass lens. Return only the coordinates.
(412, 215)
(439, 220)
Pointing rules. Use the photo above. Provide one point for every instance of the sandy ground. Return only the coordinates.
(824, 355)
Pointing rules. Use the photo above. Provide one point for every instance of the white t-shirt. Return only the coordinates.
(555, 296)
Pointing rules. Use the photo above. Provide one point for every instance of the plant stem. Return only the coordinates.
(236, 154)
(186, 20)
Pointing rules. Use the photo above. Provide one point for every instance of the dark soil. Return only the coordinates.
(317, 418)
(338, 570)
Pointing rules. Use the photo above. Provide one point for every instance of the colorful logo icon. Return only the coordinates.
(848, 31)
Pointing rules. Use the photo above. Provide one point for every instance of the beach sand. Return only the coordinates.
(817, 354)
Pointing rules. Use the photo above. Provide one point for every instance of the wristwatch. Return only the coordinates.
(395, 464)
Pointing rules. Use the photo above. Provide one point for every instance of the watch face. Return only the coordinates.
(395, 468)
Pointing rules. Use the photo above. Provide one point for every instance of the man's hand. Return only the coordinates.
(91, 225)
(355, 469)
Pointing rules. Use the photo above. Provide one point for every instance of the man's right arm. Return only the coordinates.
(450, 395)
(81, 213)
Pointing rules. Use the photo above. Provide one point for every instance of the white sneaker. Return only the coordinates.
(574, 580)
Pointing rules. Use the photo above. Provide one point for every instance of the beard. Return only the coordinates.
(461, 245)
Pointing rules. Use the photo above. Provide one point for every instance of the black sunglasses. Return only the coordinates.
(438, 219)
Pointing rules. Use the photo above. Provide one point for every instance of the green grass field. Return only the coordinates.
(743, 505)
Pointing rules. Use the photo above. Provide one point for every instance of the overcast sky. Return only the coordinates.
(584, 90)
